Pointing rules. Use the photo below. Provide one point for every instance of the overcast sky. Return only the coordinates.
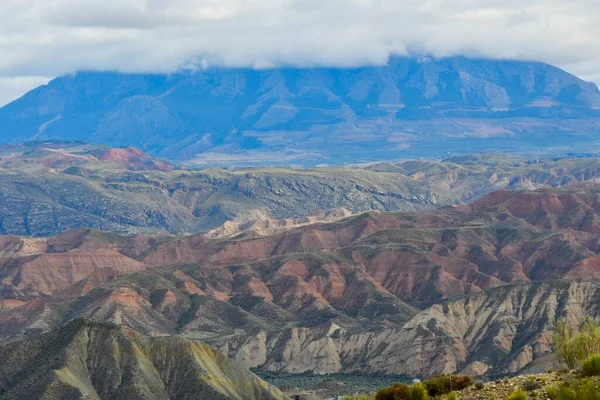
(40, 39)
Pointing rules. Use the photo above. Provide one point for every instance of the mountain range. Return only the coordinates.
(473, 288)
(48, 188)
(142, 258)
(408, 108)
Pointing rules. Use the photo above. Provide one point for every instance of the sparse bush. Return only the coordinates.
(575, 347)
(384, 394)
(460, 382)
(440, 385)
(517, 395)
(479, 385)
(418, 392)
(563, 370)
(397, 392)
(568, 381)
(563, 343)
(588, 340)
(577, 391)
(452, 396)
(531, 385)
(591, 366)
(561, 392)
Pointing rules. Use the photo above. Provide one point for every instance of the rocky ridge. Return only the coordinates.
(45, 194)
(91, 360)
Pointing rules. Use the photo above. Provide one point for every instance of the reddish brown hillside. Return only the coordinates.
(74, 156)
(549, 209)
(299, 286)
(133, 159)
(420, 258)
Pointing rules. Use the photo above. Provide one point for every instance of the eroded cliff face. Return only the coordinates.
(503, 330)
(91, 360)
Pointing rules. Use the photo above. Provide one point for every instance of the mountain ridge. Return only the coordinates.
(48, 188)
(319, 115)
(311, 297)
(89, 359)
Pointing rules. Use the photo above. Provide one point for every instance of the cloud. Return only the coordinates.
(12, 88)
(54, 37)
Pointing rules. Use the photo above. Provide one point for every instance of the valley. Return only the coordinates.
(299, 200)
(214, 233)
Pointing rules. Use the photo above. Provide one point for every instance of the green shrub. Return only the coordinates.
(452, 396)
(561, 392)
(531, 385)
(574, 347)
(517, 395)
(440, 385)
(418, 392)
(591, 366)
(588, 391)
(460, 382)
(397, 392)
(579, 390)
(384, 394)
(479, 385)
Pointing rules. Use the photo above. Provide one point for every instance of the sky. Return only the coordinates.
(41, 39)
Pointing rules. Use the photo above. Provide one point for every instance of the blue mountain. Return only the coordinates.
(408, 108)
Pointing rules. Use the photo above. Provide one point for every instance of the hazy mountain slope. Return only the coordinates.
(49, 188)
(98, 361)
(407, 108)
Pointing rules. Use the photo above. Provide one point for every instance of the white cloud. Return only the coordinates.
(54, 37)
